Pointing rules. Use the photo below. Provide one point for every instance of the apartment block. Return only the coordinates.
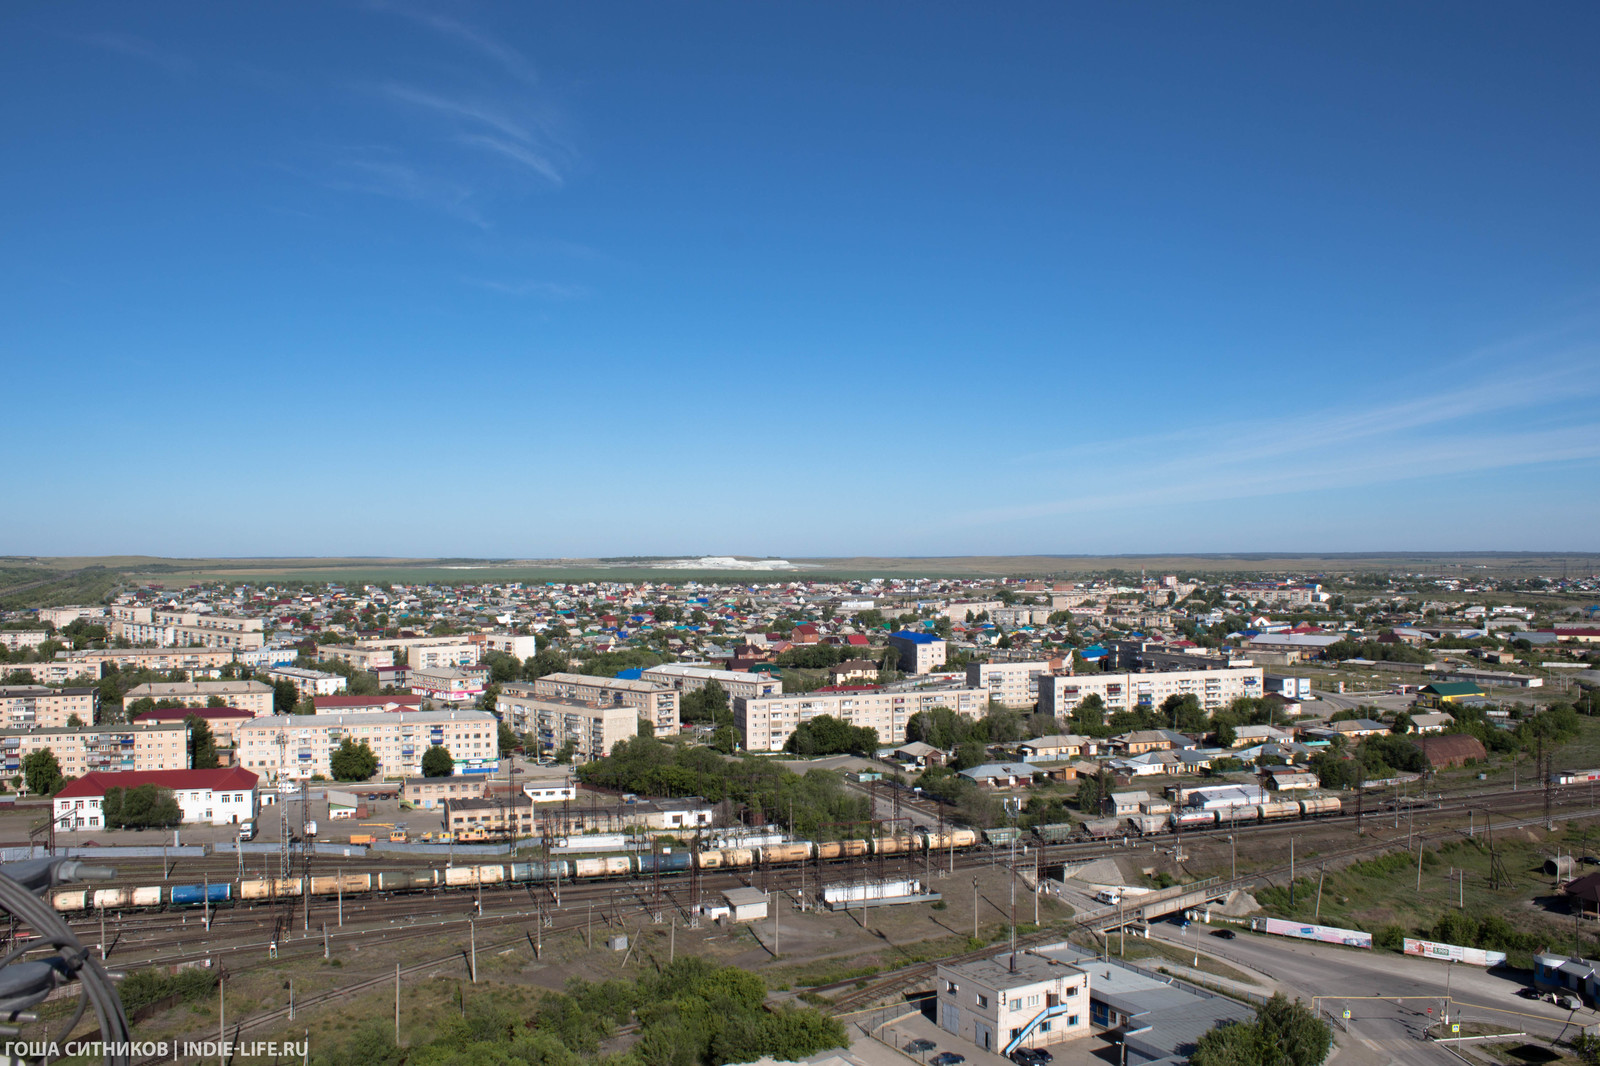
(594, 728)
(522, 645)
(19, 639)
(224, 723)
(428, 653)
(358, 657)
(1009, 684)
(309, 682)
(1036, 1003)
(767, 722)
(446, 683)
(962, 612)
(252, 696)
(1215, 689)
(205, 661)
(30, 706)
(58, 671)
(656, 703)
(430, 793)
(920, 653)
(151, 746)
(689, 678)
(185, 629)
(65, 616)
(398, 740)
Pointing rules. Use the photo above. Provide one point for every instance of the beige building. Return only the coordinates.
(193, 660)
(155, 746)
(399, 740)
(351, 655)
(57, 671)
(430, 793)
(1039, 1003)
(1215, 689)
(311, 683)
(1009, 684)
(29, 706)
(252, 696)
(522, 645)
(224, 723)
(961, 612)
(428, 653)
(185, 629)
(655, 703)
(593, 727)
(920, 653)
(65, 616)
(768, 722)
(18, 639)
(689, 678)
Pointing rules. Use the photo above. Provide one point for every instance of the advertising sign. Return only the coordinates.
(1429, 949)
(1328, 934)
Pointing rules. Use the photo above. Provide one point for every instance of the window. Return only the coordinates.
(983, 1000)
(1072, 1020)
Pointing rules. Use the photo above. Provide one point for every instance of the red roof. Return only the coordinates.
(96, 782)
(857, 639)
(179, 714)
(846, 688)
(368, 701)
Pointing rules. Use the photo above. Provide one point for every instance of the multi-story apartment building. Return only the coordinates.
(448, 684)
(428, 653)
(686, 677)
(58, 671)
(148, 746)
(358, 657)
(1036, 1003)
(920, 653)
(1009, 684)
(1215, 689)
(398, 740)
(252, 696)
(65, 616)
(962, 612)
(194, 661)
(28, 706)
(224, 723)
(594, 728)
(309, 682)
(185, 629)
(18, 639)
(767, 721)
(522, 645)
(654, 702)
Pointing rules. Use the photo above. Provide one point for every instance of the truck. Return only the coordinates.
(1108, 895)
(247, 830)
(363, 838)
(311, 828)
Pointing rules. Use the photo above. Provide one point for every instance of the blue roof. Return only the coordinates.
(1093, 651)
(915, 638)
(630, 675)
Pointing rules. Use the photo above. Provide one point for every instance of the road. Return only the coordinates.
(1333, 702)
(1389, 1029)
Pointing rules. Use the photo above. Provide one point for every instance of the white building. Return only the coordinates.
(311, 683)
(1009, 684)
(523, 646)
(1038, 1003)
(768, 721)
(209, 797)
(685, 677)
(446, 683)
(1215, 689)
(398, 740)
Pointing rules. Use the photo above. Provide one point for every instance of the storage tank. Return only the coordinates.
(1280, 809)
(1145, 824)
(74, 900)
(1192, 819)
(263, 888)
(406, 880)
(829, 850)
(1318, 806)
(104, 898)
(852, 849)
(333, 885)
(461, 875)
(149, 896)
(738, 857)
(785, 853)
(964, 838)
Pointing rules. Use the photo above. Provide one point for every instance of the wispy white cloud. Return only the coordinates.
(1500, 421)
(508, 58)
(548, 290)
(533, 159)
(523, 135)
(370, 171)
(138, 48)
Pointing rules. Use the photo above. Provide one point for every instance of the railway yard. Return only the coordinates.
(460, 930)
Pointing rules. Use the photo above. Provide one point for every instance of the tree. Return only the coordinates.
(1285, 1033)
(202, 745)
(1403, 723)
(284, 697)
(508, 738)
(436, 762)
(74, 722)
(354, 762)
(42, 772)
(1089, 716)
(725, 740)
(216, 701)
(647, 728)
(827, 735)
(144, 806)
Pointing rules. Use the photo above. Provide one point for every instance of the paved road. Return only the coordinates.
(1390, 1028)
(1332, 702)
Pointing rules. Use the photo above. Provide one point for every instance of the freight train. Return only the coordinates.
(1206, 818)
(585, 869)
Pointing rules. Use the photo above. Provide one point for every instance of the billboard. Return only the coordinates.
(1429, 949)
(1328, 934)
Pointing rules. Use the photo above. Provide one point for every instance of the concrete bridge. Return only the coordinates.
(1153, 905)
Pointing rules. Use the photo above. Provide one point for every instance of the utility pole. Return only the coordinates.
(397, 1004)
(974, 908)
(1015, 807)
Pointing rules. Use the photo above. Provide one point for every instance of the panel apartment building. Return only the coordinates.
(428, 653)
(689, 678)
(195, 661)
(920, 653)
(252, 696)
(1215, 689)
(151, 746)
(593, 728)
(398, 740)
(654, 702)
(185, 629)
(1010, 684)
(26, 706)
(768, 721)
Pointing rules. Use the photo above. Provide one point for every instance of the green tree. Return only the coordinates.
(144, 806)
(827, 735)
(284, 697)
(42, 772)
(544, 662)
(1285, 1033)
(436, 762)
(354, 762)
(74, 722)
(202, 744)
(508, 739)
(216, 701)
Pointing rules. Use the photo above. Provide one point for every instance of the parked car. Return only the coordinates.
(947, 1058)
(917, 1047)
(1226, 934)
(1031, 1056)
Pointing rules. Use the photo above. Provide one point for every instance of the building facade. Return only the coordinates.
(207, 797)
(1215, 689)
(687, 678)
(196, 662)
(920, 653)
(311, 683)
(654, 702)
(767, 722)
(358, 657)
(1010, 684)
(399, 740)
(113, 749)
(1038, 1003)
(593, 728)
(28, 706)
(252, 696)
(447, 684)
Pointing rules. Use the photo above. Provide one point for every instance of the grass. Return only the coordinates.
(1140, 948)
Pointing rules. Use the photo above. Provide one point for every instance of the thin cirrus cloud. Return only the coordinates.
(1533, 420)
(509, 59)
(142, 50)
(548, 290)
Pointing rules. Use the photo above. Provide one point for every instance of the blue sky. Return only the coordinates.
(535, 280)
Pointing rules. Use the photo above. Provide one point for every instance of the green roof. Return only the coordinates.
(1453, 688)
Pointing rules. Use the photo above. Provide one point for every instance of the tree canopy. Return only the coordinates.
(202, 744)
(1285, 1033)
(827, 735)
(436, 762)
(352, 761)
(41, 772)
(144, 806)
